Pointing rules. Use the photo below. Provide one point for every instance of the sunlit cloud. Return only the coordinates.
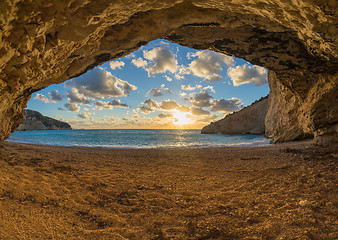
(248, 74)
(165, 115)
(161, 60)
(199, 111)
(55, 96)
(72, 107)
(155, 92)
(201, 99)
(169, 105)
(41, 97)
(84, 116)
(116, 64)
(208, 65)
(187, 87)
(148, 106)
(140, 63)
(110, 105)
(99, 83)
(226, 105)
(74, 96)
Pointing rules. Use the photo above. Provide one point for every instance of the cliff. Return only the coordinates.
(249, 120)
(34, 120)
(48, 42)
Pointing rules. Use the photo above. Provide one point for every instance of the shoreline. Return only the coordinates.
(280, 191)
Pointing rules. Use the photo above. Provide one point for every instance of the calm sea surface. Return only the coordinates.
(132, 138)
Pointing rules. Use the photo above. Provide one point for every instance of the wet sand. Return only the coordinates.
(286, 191)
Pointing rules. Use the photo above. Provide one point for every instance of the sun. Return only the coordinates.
(180, 118)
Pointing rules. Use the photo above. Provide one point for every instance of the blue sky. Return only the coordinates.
(161, 85)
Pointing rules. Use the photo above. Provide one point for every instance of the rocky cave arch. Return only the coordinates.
(46, 42)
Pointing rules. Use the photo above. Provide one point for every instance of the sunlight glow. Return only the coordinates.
(180, 118)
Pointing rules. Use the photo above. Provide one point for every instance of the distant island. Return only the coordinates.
(34, 120)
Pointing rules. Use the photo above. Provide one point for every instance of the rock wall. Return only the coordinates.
(46, 42)
(34, 120)
(249, 120)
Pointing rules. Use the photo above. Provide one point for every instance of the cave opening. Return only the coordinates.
(156, 86)
(299, 53)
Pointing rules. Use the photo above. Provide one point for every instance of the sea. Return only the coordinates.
(136, 138)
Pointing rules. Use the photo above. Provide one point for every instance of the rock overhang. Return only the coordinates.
(45, 43)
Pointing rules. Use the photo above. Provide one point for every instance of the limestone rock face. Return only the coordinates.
(34, 120)
(46, 42)
(249, 120)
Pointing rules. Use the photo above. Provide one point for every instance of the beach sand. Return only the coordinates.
(285, 191)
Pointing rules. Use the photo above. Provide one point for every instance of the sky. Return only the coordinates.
(162, 85)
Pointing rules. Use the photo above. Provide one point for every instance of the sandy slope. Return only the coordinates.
(286, 191)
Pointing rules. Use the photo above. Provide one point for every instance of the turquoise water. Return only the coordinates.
(132, 138)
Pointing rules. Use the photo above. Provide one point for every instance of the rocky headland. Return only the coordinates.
(34, 120)
(249, 120)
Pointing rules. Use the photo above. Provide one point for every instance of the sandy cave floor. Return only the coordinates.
(285, 191)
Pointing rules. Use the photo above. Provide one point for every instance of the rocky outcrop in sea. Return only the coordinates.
(34, 120)
(249, 120)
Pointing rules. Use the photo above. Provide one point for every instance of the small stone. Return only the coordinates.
(304, 203)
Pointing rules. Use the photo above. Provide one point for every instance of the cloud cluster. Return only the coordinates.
(85, 116)
(248, 74)
(208, 65)
(204, 99)
(201, 99)
(158, 60)
(111, 104)
(41, 97)
(148, 106)
(74, 96)
(226, 105)
(72, 107)
(99, 83)
(55, 96)
(116, 65)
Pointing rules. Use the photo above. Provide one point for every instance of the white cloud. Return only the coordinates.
(85, 116)
(169, 105)
(72, 107)
(226, 105)
(55, 96)
(208, 65)
(211, 88)
(74, 96)
(201, 99)
(187, 87)
(155, 92)
(41, 97)
(135, 114)
(116, 65)
(118, 103)
(99, 83)
(111, 104)
(169, 79)
(162, 60)
(248, 74)
(148, 106)
(140, 63)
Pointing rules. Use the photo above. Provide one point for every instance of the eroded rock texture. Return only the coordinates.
(45, 42)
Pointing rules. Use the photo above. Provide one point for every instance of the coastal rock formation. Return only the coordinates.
(34, 120)
(46, 42)
(249, 120)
